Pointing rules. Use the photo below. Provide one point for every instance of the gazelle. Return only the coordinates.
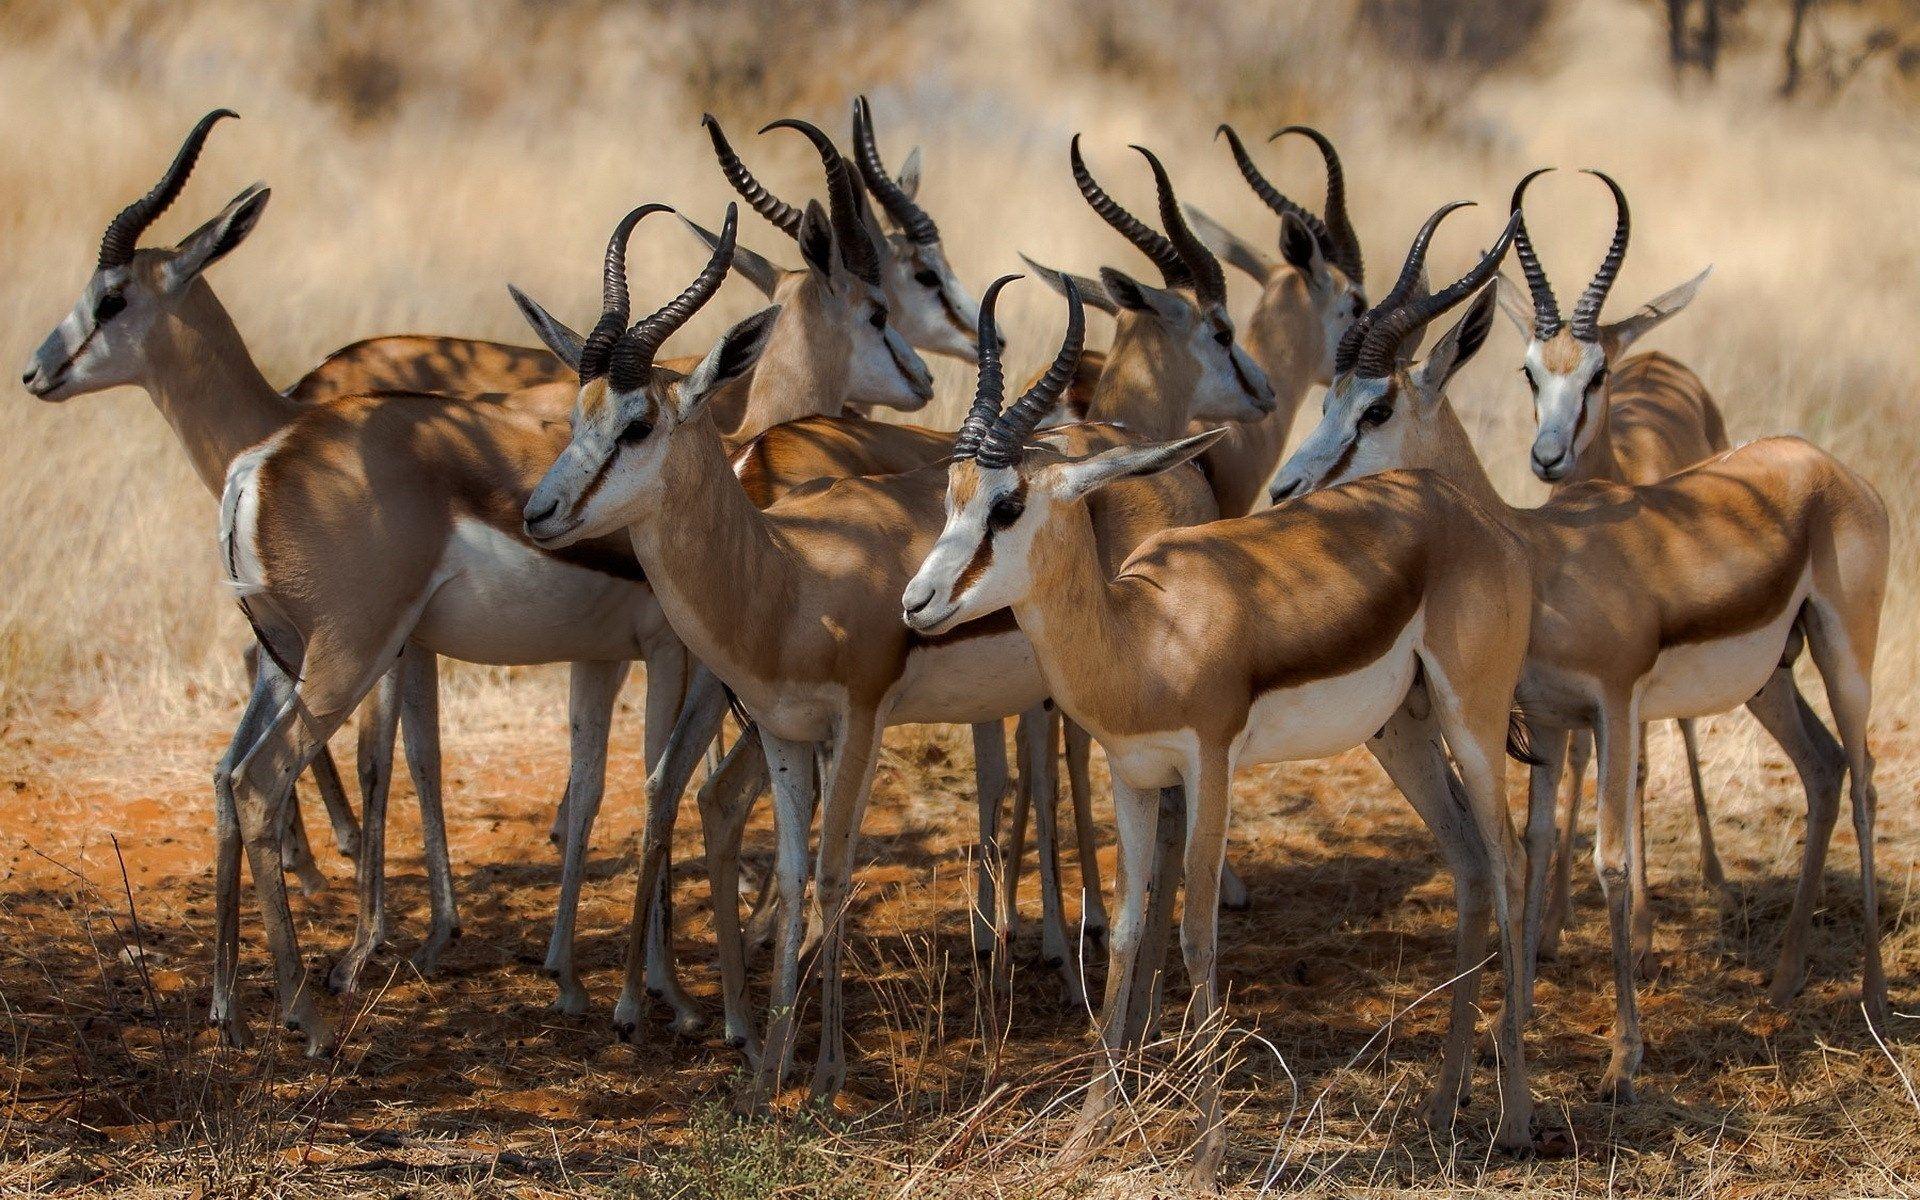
(810, 644)
(1634, 420)
(926, 301)
(1672, 599)
(1391, 613)
(146, 319)
(1307, 300)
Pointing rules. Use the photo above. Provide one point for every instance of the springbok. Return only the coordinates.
(1634, 420)
(1391, 613)
(928, 304)
(811, 648)
(1679, 598)
(146, 319)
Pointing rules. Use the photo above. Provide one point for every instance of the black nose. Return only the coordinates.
(27, 375)
(1550, 471)
(1284, 491)
(914, 608)
(533, 515)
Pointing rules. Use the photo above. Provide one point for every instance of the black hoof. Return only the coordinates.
(624, 1030)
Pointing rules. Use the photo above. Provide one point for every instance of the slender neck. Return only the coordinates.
(802, 373)
(1445, 449)
(1145, 387)
(1085, 632)
(720, 572)
(204, 381)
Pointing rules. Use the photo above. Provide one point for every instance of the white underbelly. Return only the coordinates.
(497, 600)
(1333, 715)
(975, 679)
(1700, 679)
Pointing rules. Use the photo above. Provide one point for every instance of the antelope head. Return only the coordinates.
(1382, 410)
(931, 307)
(837, 306)
(1004, 495)
(135, 296)
(628, 409)
(1309, 298)
(1181, 328)
(1567, 362)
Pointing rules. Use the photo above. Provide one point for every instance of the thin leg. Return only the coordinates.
(667, 683)
(594, 688)
(1040, 728)
(1209, 791)
(1559, 906)
(1783, 712)
(1616, 745)
(725, 799)
(1150, 964)
(1136, 817)
(791, 772)
(990, 924)
(420, 737)
(840, 819)
(1711, 872)
(379, 722)
(296, 852)
(333, 794)
(1550, 746)
(1642, 925)
(1093, 905)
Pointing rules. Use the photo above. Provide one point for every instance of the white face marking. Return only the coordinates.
(1362, 431)
(996, 521)
(99, 344)
(607, 475)
(883, 371)
(1232, 387)
(930, 307)
(1562, 406)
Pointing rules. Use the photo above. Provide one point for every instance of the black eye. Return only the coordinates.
(636, 431)
(1376, 414)
(1598, 381)
(1223, 337)
(927, 278)
(108, 306)
(1006, 510)
(879, 317)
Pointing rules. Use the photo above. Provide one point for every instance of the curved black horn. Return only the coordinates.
(1381, 351)
(992, 388)
(784, 216)
(1006, 441)
(910, 217)
(1173, 268)
(633, 354)
(843, 201)
(1546, 309)
(1586, 314)
(1345, 242)
(123, 232)
(1281, 204)
(614, 306)
(1210, 284)
(1348, 352)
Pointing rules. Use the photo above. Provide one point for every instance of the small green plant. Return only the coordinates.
(725, 1157)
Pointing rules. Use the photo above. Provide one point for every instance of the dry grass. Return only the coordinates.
(422, 155)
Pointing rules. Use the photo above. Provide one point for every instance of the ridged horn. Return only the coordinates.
(615, 309)
(1380, 354)
(991, 391)
(784, 216)
(1586, 314)
(901, 209)
(843, 201)
(1281, 204)
(1006, 441)
(1339, 226)
(123, 232)
(633, 354)
(1348, 352)
(1173, 268)
(1210, 283)
(1546, 309)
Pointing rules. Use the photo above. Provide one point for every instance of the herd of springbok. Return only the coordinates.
(1093, 559)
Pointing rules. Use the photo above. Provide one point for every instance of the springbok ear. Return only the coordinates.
(564, 342)
(1300, 248)
(909, 179)
(731, 357)
(1456, 346)
(1228, 245)
(1516, 304)
(746, 264)
(816, 240)
(1629, 329)
(1092, 293)
(213, 241)
(1087, 475)
(1129, 293)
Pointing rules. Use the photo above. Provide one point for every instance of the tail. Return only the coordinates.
(244, 583)
(738, 709)
(1520, 739)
